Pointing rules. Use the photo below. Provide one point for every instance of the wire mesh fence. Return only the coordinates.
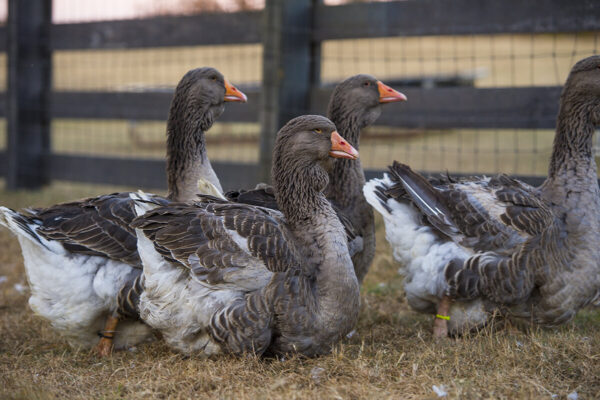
(481, 61)
(141, 70)
(499, 60)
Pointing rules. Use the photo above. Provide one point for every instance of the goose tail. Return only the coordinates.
(426, 197)
(376, 194)
(21, 225)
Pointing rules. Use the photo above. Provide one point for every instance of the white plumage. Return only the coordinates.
(75, 292)
(422, 257)
(181, 308)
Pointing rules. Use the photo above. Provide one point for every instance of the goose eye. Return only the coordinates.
(367, 84)
(214, 78)
(318, 130)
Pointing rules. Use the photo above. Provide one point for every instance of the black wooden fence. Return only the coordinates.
(291, 33)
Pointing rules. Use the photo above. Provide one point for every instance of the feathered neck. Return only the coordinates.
(299, 185)
(572, 149)
(186, 148)
(347, 176)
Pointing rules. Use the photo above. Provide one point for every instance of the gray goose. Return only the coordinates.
(81, 257)
(354, 104)
(228, 277)
(497, 243)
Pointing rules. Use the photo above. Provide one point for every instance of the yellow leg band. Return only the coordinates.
(446, 317)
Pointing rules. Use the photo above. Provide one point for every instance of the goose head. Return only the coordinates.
(582, 89)
(200, 97)
(307, 142)
(359, 98)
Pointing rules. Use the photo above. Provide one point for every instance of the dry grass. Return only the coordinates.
(392, 355)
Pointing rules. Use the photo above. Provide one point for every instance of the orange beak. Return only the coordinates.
(389, 95)
(234, 94)
(340, 148)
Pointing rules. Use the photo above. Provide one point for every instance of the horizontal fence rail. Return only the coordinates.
(456, 17)
(142, 105)
(152, 173)
(459, 107)
(133, 172)
(349, 21)
(467, 107)
(196, 30)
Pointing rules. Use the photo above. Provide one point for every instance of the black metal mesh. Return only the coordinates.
(478, 61)
(148, 70)
(139, 70)
(481, 61)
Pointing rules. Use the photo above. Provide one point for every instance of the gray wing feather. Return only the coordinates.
(501, 219)
(201, 238)
(96, 226)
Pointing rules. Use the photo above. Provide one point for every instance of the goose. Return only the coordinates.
(473, 246)
(226, 277)
(81, 257)
(354, 104)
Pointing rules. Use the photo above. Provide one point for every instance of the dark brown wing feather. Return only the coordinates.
(200, 237)
(265, 197)
(501, 219)
(95, 226)
(525, 212)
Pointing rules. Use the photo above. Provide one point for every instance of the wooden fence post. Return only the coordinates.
(29, 86)
(287, 70)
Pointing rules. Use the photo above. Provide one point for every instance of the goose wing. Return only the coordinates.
(221, 243)
(483, 214)
(95, 226)
(264, 196)
(499, 220)
(505, 272)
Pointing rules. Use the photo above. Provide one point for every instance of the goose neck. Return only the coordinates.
(299, 191)
(346, 178)
(187, 160)
(572, 148)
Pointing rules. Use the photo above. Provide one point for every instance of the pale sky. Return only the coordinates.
(65, 11)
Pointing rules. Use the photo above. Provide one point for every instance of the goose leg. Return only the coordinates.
(104, 346)
(440, 324)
